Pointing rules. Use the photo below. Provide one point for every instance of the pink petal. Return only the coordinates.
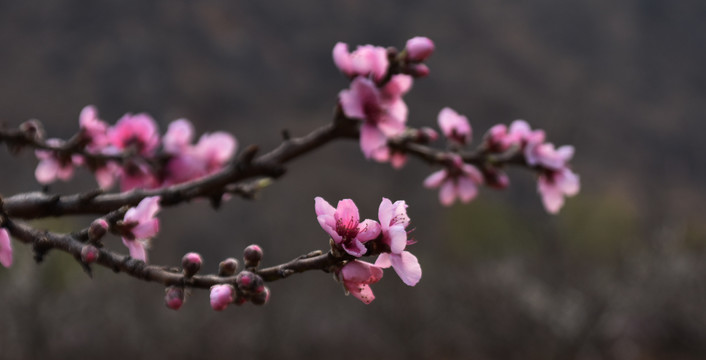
(385, 213)
(342, 58)
(383, 261)
(407, 267)
(467, 189)
(178, 136)
(447, 193)
(362, 95)
(328, 223)
(361, 272)
(46, 171)
(145, 210)
(6, 248)
(105, 177)
(368, 230)
(566, 152)
(570, 183)
(136, 248)
(217, 148)
(398, 160)
(472, 173)
(362, 292)
(398, 85)
(347, 212)
(147, 229)
(371, 139)
(398, 238)
(454, 126)
(322, 207)
(435, 179)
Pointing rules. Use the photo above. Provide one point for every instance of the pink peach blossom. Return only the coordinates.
(459, 180)
(454, 126)
(144, 226)
(344, 226)
(52, 167)
(366, 60)
(393, 222)
(138, 131)
(5, 248)
(357, 276)
(553, 185)
(95, 129)
(545, 155)
(384, 114)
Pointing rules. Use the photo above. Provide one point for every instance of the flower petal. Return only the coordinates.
(6, 248)
(398, 238)
(435, 179)
(368, 230)
(347, 212)
(383, 261)
(355, 248)
(407, 267)
(371, 139)
(136, 248)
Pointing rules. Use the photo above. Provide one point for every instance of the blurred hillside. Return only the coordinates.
(618, 274)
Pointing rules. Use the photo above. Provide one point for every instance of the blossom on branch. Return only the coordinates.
(382, 111)
(366, 60)
(344, 226)
(454, 126)
(357, 276)
(457, 180)
(393, 222)
(140, 226)
(419, 48)
(51, 166)
(221, 296)
(5, 248)
(94, 129)
(138, 132)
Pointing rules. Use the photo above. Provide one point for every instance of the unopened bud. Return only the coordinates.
(191, 263)
(174, 297)
(89, 254)
(221, 296)
(496, 178)
(249, 282)
(427, 135)
(419, 48)
(261, 297)
(419, 70)
(97, 230)
(228, 267)
(252, 255)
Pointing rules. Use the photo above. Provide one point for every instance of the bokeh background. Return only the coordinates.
(620, 273)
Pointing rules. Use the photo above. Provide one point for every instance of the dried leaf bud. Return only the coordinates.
(174, 297)
(252, 255)
(191, 263)
(97, 230)
(261, 297)
(89, 254)
(228, 267)
(33, 129)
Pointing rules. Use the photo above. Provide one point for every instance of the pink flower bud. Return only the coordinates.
(427, 135)
(252, 255)
(191, 263)
(261, 297)
(419, 48)
(97, 229)
(89, 254)
(174, 297)
(227, 267)
(221, 296)
(455, 127)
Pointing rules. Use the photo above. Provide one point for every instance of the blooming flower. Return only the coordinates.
(221, 296)
(419, 48)
(357, 276)
(459, 180)
(142, 226)
(383, 112)
(52, 167)
(545, 155)
(393, 222)
(366, 60)
(189, 162)
(553, 185)
(93, 128)
(139, 131)
(454, 126)
(499, 138)
(344, 226)
(5, 248)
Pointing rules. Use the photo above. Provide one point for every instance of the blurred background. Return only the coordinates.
(618, 274)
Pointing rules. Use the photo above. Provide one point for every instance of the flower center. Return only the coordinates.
(348, 230)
